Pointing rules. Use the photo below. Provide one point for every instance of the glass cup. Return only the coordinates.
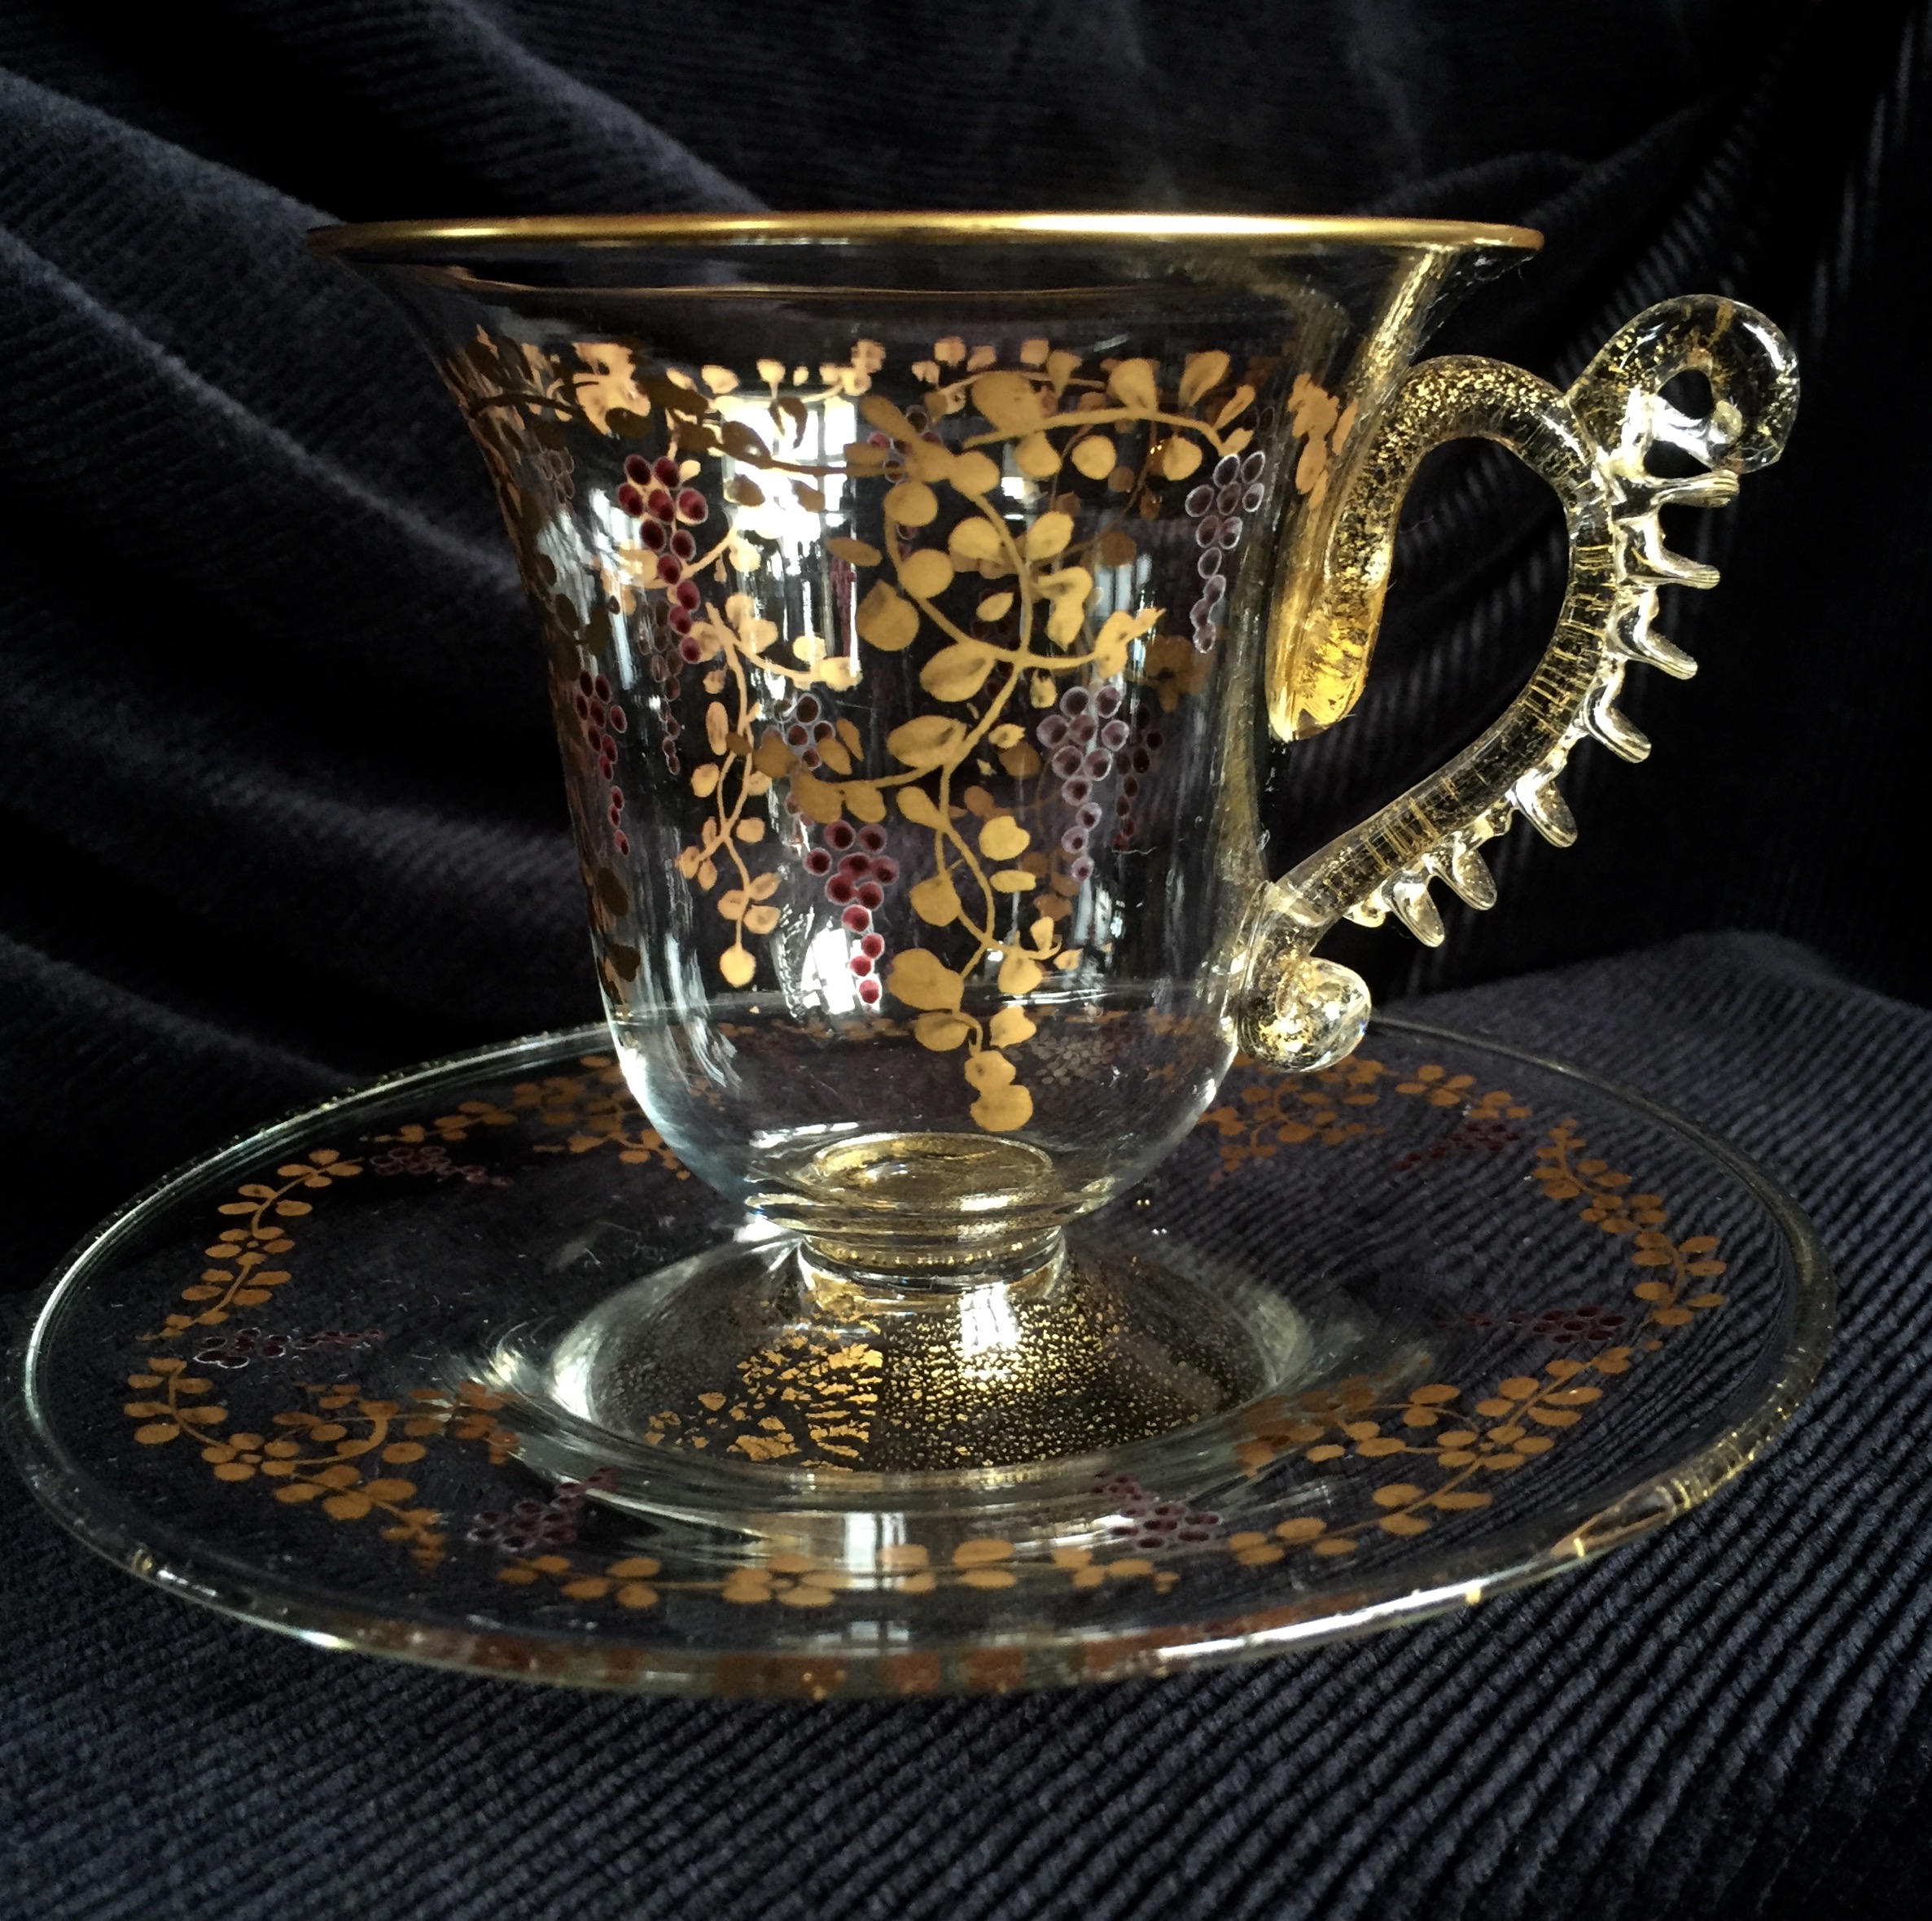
(920, 594)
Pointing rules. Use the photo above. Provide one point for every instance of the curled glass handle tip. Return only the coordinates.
(1593, 446)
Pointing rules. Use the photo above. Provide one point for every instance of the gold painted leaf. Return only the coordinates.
(876, 410)
(753, 631)
(832, 753)
(973, 474)
(1094, 456)
(1010, 1027)
(1049, 535)
(790, 411)
(719, 379)
(742, 444)
(762, 886)
(860, 553)
(927, 460)
(1068, 961)
(716, 725)
(1037, 456)
(1012, 880)
(949, 352)
(986, 1069)
(929, 740)
(887, 619)
(1022, 761)
(917, 977)
(738, 966)
(1202, 372)
(1019, 973)
(912, 503)
(1001, 1109)
(1007, 734)
(1033, 352)
(863, 457)
(919, 807)
(773, 758)
(1132, 384)
(865, 802)
(751, 829)
(761, 920)
(1121, 480)
(1069, 590)
(1011, 401)
(744, 493)
(976, 540)
(1237, 441)
(958, 671)
(704, 780)
(733, 904)
(926, 574)
(772, 372)
(1004, 839)
(809, 497)
(994, 607)
(818, 799)
(1238, 403)
(935, 901)
(1178, 456)
(1117, 548)
(1118, 632)
(942, 1032)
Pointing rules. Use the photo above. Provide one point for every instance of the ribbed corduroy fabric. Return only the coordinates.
(1729, 1719)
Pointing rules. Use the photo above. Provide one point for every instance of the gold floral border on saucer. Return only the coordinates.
(354, 1458)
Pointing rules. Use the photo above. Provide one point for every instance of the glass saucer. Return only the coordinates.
(1531, 1317)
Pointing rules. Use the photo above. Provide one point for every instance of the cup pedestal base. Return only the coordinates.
(757, 1379)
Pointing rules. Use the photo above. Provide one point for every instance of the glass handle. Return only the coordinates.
(1593, 445)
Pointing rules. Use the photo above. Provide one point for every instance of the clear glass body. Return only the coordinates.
(903, 637)
(918, 595)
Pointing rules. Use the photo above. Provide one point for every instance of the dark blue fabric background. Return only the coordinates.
(277, 810)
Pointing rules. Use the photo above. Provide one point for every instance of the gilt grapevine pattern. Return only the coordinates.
(977, 522)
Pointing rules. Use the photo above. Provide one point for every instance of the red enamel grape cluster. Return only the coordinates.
(666, 514)
(603, 719)
(1140, 1518)
(432, 1158)
(805, 725)
(250, 1344)
(1588, 1325)
(529, 1525)
(1088, 742)
(1216, 506)
(864, 874)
